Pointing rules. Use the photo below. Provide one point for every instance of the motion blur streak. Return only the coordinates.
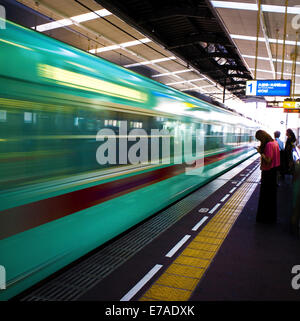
(73, 79)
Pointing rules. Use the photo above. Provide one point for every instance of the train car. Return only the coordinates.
(76, 152)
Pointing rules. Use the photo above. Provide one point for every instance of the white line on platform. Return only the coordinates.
(225, 197)
(214, 208)
(232, 190)
(177, 246)
(141, 283)
(195, 228)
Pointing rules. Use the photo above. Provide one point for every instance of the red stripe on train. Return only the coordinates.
(21, 218)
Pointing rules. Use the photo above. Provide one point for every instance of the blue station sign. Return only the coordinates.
(268, 88)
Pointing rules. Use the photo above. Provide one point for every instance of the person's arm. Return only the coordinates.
(267, 154)
(266, 159)
(258, 149)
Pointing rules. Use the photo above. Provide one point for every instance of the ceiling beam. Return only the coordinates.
(235, 83)
(218, 55)
(242, 76)
(235, 88)
(235, 68)
(173, 12)
(197, 38)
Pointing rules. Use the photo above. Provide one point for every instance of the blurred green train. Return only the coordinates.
(57, 202)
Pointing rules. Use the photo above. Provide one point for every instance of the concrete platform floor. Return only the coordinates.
(255, 261)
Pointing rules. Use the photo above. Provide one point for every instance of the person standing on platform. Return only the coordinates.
(270, 161)
(289, 147)
(278, 140)
(281, 150)
(295, 219)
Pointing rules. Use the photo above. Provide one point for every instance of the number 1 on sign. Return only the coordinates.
(250, 85)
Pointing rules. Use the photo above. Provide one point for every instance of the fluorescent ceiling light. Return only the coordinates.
(121, 45)
(192, 88)
(267, 59)
(251, 38)
(173, 73)
(260, 58)
(150, 62)
(287, 42)
(135, 42)
(270, 71)
(53, 25)
(262, 39)
(108, 48)
(184, 81)
(234, 5)
(254, 7)
(72, 20)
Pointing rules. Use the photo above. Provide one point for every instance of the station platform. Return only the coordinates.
(206, 247)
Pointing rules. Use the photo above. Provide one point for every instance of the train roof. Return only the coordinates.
(61, 61)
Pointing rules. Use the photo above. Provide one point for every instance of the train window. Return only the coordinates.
(136, 124)
(76, 121)
(27, 117)
(3, 115)
(217, 129)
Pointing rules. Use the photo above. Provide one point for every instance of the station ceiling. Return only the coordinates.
(191, 45)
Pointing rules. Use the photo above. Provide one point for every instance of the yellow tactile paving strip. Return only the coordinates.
(181, 278)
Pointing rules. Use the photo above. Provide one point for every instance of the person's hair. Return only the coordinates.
(291, 133)
(277, 134)
(264, 138)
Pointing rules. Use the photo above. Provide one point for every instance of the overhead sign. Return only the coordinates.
(274, 104)
(268, 88)
(291, 104)
(292, 111)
